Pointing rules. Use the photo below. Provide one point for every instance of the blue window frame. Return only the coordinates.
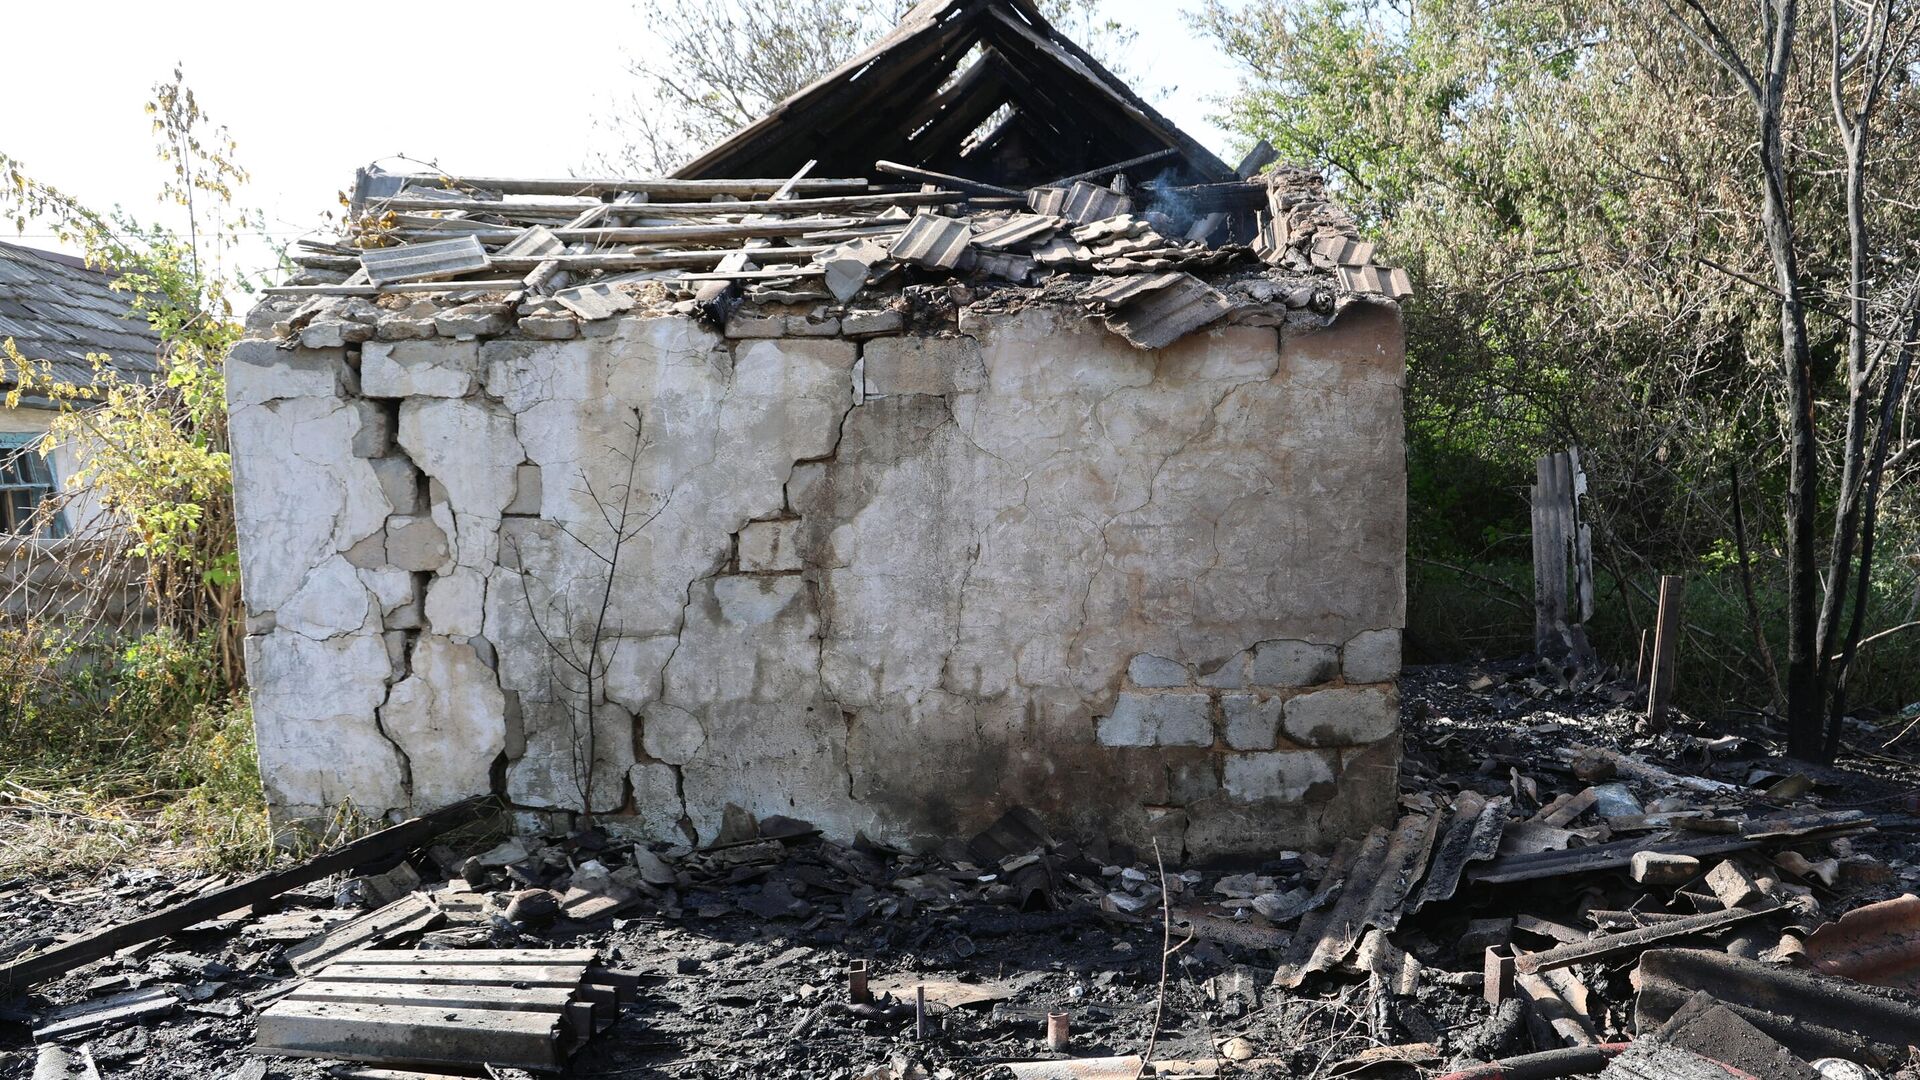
(27, 482)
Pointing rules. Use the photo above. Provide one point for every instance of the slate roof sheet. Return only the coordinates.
(55, 308)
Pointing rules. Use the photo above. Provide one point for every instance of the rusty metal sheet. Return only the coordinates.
(1160, 318)
(1381, 872)
(933, 241)
(435, 260)
(1018, 230)
(1878, 944)
(1811, 1014)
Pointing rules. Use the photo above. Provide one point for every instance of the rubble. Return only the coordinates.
(1018, 952)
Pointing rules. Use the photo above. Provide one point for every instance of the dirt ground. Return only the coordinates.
(743, 951)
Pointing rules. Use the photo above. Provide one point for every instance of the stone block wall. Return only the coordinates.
(892, 583)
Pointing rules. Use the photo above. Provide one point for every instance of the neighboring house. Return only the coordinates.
(56, 309)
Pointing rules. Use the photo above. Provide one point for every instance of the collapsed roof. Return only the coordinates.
(1078, 191)
(987, 88)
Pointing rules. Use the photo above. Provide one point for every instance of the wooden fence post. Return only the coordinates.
(1666, 645)
(1562, 547)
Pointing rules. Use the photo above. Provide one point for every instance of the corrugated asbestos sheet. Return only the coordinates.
(435, 260)
(523, 1009)
(1378, 875)
(1160, 318)
(933, 241)
(55, 309)
(1472, 832)
(537, 242)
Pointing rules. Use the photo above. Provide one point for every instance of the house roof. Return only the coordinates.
(924, 92)
(57, 309)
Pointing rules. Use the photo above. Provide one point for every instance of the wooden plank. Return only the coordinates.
(21, 973)
(667, 188)
(518, 998)
(508, 285)
(1633, 941)
(682, 234)
(653, 260)
(754, 275)
(409, 1035)
(928, 176)
(495, 957)
(1549, 556)
(410, 914)
(1666, 647)
(823, 205)
(567, 975)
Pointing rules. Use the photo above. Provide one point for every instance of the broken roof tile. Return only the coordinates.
(598, 300)
(933, 241)
(1019, 229)
(1160, 318)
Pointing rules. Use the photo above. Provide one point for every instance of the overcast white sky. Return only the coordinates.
(311, 91)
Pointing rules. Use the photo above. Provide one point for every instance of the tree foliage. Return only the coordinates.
(153, 454)
(1576, 191)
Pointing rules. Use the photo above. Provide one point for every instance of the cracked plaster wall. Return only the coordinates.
(892, 586)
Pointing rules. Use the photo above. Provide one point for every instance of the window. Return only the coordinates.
(26, 481)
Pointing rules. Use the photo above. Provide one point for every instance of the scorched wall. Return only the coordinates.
(893, 585)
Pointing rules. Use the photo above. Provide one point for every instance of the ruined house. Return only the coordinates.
(961, 436)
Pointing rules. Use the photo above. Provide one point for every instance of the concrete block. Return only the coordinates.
(770, 547)
(812, 326)
(756, 326)
(1293, 663)
(414, 542)
(527, 491)
(918, 365)
(436, 368)
(469, 321)
(1286, 775)
(882, 321)
(1231, 675)
(1156, 671)
(1253, 723)
(1371, 656)
(259, 371)
(1158, 720)
(456, 603)
(1343, 716)
(400, 482)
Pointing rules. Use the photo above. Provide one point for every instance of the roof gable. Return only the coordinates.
(919, 93)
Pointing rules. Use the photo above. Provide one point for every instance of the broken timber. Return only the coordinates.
(17, 975)
(519, 1008)
(1502, 970)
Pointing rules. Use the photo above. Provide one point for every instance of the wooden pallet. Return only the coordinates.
(520, 1008)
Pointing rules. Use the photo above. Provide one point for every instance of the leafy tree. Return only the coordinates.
(154, 454)
(1576, 191)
